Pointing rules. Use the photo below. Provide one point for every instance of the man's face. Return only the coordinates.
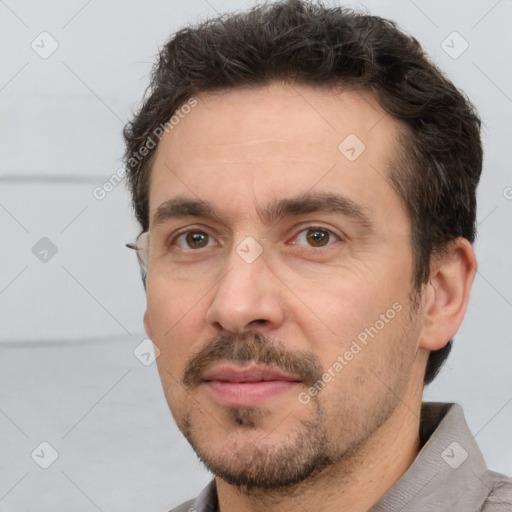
(280, 279)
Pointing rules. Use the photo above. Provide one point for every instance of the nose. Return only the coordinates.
(246, 298)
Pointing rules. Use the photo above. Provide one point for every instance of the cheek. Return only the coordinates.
(341, 305)
(370, 368)
(170, 303)
(350, 311)
(177, 319)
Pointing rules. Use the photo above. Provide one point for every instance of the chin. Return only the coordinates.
(245, 453)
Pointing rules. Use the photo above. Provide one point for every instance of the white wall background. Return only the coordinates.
(68, 326)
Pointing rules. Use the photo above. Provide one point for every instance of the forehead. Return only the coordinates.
(278, 140)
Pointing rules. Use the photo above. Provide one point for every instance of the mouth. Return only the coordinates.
(247, 386)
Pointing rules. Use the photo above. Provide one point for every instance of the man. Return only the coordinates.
(305, 180)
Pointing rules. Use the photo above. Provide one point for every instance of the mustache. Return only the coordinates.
(256, 348)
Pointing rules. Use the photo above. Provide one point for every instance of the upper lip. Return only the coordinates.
(252, 373)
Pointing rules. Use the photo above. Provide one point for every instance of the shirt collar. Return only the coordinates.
(449, 472)
(207, 499)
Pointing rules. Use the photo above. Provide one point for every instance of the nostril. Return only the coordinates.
(259, 321)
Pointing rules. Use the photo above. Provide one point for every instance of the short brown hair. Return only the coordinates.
(302, 42)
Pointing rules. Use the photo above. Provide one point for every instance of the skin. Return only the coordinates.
(240, 150)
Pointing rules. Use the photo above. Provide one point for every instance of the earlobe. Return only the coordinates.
(446, 296)
(147, 325)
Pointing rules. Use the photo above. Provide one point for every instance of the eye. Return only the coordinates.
(315, 237)
(194, 240)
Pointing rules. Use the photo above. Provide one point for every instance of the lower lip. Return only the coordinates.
(248, 394)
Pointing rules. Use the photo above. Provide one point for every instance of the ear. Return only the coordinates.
(446, 296)
(147, 325)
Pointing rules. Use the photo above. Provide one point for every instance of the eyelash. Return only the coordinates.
(317, 228)
(331, 234)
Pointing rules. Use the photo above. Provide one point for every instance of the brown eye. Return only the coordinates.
(315, 237)
(318, 237)
(197, 240)
(194, 240)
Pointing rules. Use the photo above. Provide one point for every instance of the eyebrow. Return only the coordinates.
(183, 207)
(277, 210)
(316, 202)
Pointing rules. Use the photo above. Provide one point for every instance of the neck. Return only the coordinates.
(355, 483)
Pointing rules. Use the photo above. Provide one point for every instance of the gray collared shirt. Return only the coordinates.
(448, 475)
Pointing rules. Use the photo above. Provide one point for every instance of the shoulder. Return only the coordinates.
(185, 507)
(499, 498)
